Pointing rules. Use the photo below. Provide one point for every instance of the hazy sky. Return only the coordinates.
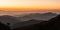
(27, 5)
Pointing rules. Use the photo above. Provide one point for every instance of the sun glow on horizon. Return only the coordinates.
(27, 5)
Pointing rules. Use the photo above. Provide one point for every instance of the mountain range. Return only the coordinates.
(38, 16)
(13, 20)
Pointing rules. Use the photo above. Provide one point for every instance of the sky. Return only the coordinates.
(29, 5)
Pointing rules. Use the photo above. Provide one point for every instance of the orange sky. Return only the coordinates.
(29, 5)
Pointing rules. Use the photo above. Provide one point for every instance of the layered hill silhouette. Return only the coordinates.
(38, 16)
(52, 24)
(34, 21)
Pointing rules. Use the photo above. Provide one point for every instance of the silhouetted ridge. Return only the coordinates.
(33, 23)
(4, 26)
(56, 19)
(54, 23)
(38, 16)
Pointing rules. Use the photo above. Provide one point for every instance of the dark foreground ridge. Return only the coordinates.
(4, 27)
(52, 24)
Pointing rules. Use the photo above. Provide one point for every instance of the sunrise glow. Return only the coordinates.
(29, 5)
